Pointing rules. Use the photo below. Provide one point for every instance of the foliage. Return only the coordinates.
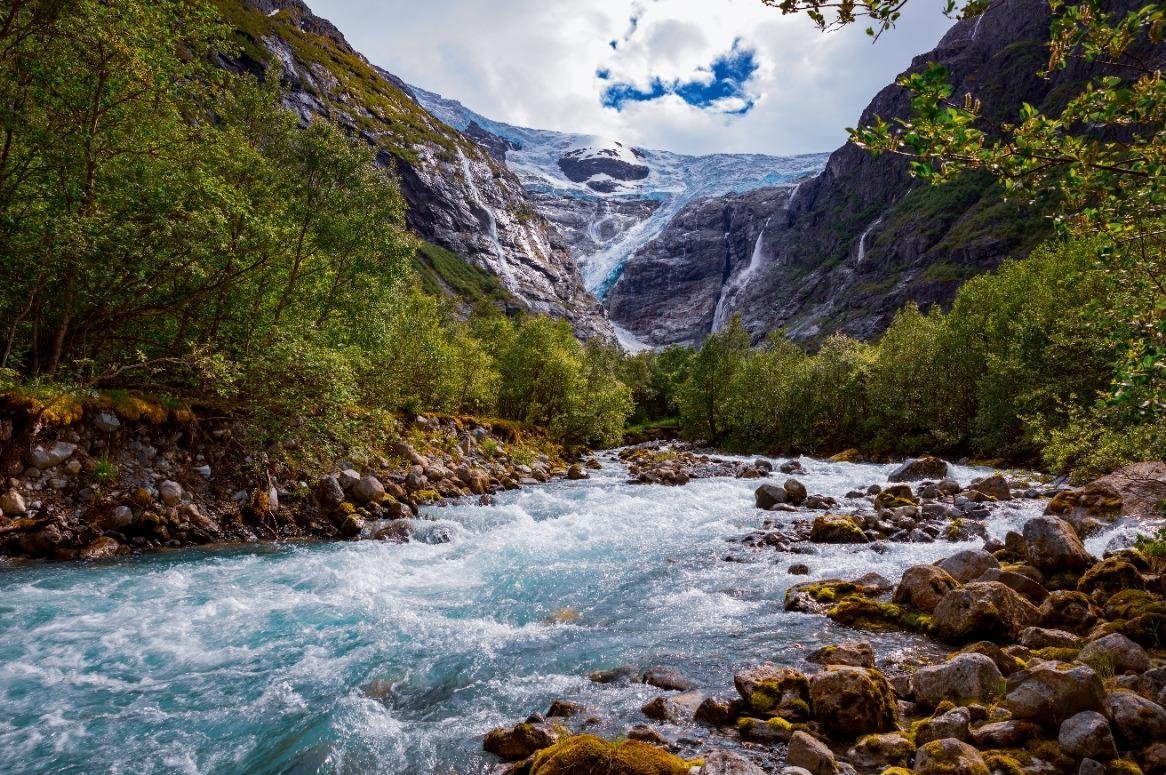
(704, 396)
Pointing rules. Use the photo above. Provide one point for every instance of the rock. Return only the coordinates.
(955, 723)
(716, 711)
(949, 757)
(329, 493)
(811, 755)
(368, 489)
(770, 732)
(53, 455)
(170, 492)
(982, 610)
(1091, 767)
(100, 549)
(920, 468)
(874, 753)
(1052, 692)
(799, 569)
(1007, 663)
(1067, 610)
(399, 532)
(1110, 576)
(963, 678)
(1115, 654)
(1087, 735)
(725, 763)
(896, 496)
(1136, 720)
(1097, 501)
(795, 491)
(565, 709)
(923, 586)
(968, 565)
(994, 487)
(12, 503)
(1042, 638)
(1054, 546)
(646, 734)
(1025, 585)
(1142, 488)
(106, 422)
(590, 754)
(837, 529)
(576, 472)
(348, 479)
(852, 654)
(769, 690)
(520, 741)
(1005, 734)
(852, 701)
(120, 518)
(667, 678)
(662, 709)
(615, 675)
(769, 495)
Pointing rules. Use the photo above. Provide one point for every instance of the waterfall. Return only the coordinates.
(862, 239)
(735, 285)
(504, 272)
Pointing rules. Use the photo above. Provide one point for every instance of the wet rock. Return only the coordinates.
(1087, 735)
(1023, 584)
(1097, 502)
(982, 609)
(768, 732)
(992, 487)
(520, 741)
(1137, 720)
(1115, 653)
(717, 711)
(837, 529)
(1041, 638)
(663, 709)
(955, 723)
(949, 757)
(963, 678)
(769, 495)
(368, 489)
(1052, 692)
(1053, 545)
(43, 457)
(576, 472)
(614, 675)
(799, 569)
(100, 549)
(667, 678)
(12, 503)
(896, 496)
(565, 709)
(968, 565)
(646, 734)
(918, 469)
(877, 752)
(811, 755)
(106, 422)
(923, 586)
(769, 690)
(852, 654)
(795, 491)
(726, 763)
(119, 518)
(852, 701)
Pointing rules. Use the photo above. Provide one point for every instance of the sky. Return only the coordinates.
(691, 76)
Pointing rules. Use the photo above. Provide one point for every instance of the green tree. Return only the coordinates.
(704, 397)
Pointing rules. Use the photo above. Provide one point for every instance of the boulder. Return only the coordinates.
(43, 457)
(576, 472)
(769, 495)
(837, 529)
(768, 732)
(565, 709)
(726, 763)
(1068, 610)
(1136, 720)
(1142, 487)
(329, 493)
(896, 496)
(1097, 501)
(852, 654)
(1115, 653)
(1042, 638)
(923, 586)
(99, 549)
(368, 490)
(993, 487)
(1087, 735)
(667, 678)
(12, 503)
(1052, 692)
(170, 492)
(982, 610)
(796, 492)
(852, 701)
(1110, 576)
(520, 741)
(588, 753)
(769, 690)
(1013, 733)
(968, 565)
(918, 469)
(874, 753)
(663, 709)
(716, 711)
(1025, 585)
(949, 757)
(963, 678)
(811, 754)
(954, 723)
(106, 422)
(1054, 546)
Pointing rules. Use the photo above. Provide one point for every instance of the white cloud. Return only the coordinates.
(534, 63)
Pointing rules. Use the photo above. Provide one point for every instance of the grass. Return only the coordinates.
(443, 273)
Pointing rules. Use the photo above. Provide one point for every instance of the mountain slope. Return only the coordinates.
(460, 198)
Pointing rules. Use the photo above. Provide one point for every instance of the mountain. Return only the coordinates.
(608, 199)
(855, 243)
(460, 197)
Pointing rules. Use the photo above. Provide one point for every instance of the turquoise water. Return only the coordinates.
(368, 657)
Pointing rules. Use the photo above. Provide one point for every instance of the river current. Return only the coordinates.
(372, 657)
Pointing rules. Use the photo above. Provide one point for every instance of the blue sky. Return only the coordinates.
(694, 76)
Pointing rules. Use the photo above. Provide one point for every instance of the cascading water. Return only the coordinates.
(862, 239)
(504, 271)
(374, 657)
(735, 285)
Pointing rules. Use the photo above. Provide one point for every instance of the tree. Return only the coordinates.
(704, 398)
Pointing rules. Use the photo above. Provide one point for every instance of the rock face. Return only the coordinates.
(460, 197)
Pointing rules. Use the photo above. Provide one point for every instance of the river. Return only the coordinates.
(372, 657)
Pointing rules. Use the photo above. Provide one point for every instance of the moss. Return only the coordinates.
(1122, 767)
(825, 592)
(442, 272)
(1057, 653)
(587, 753)
(1002, 763)
(866, 614)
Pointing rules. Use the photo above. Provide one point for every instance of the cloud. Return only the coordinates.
(685, 75)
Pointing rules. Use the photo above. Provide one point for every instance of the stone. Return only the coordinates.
(769, 495)
(99, 549)
(170, 492)
(43, 457)
(1110, 576)
(615, 675)
(1087, 735)
(798, 569)
(896, 496)
(119, 518)
(949, 757)
(716, 711)
(726, 763)
(1115, 653)
(1053, 545)
(1068, 610)
(1137, 720)
(1142, 487)
(329, 493)
(795, 491)
(918, 469)
(368, 489)
(1091, 767)
(1023, 584)
(837, 529)
(565, 709)
(520, 741)
(106, 422)
(852, 654)
(348, 479)
(968, 565)
(812, 755)
(1042, 638)
(963, 678)
(954, 723)
(923, 586)
(1013, 733)
(12, 503)
(646, 734)
(667, 678)
(769, 732)
(994, 487)
(874, 753)
(852, 701)
(1052, 692)
(1097, 502)
(662, 709)
(770, 690)
(576, 472)
(982, 610)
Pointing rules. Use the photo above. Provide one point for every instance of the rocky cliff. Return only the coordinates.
(859, 240)
(460, 196)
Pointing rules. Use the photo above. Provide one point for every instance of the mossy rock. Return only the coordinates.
(769, 690)
(587, 754)
(837, 529)
(853, 701)
(896, 496)
(825, 592)
(1123, 767)
(865, 614)
(1057, 654)
(1003, 763)
(1109, 577)
(1132, 603)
